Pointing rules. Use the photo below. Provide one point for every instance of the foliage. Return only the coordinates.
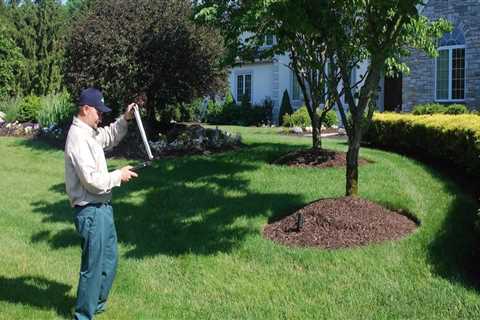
(9, 106)
(428, 108)
(285, 107)
(12, 62)
(40, 28)
(331, 119)
(56, 110)
(244, 115)
(128, 46)
(301, 118)
(456, 109)
(434, 108)
(29, 109)
(450, 138)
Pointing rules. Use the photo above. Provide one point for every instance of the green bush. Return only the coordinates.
(428, 108)
(300, 118)
(244, 115)
(285, 107)
(29, 108)
(456, 109)
(451, 138)
(330, 119)
(10, 107)
(56, 109)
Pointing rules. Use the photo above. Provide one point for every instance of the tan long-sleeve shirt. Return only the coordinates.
(87, 178)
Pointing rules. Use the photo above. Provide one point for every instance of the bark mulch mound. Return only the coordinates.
(339, 223)
(319, 158)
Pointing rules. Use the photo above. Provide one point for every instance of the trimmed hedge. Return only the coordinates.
(452, 138)
(435, 108)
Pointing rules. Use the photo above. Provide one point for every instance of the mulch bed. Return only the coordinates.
(339, 223)
(319, 158)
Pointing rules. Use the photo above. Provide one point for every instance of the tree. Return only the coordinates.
(39, 32)
(285, 107)
(377, 31)
(294, 36)
(126, 47)
(12, 62)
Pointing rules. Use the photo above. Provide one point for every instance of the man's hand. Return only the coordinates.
(129, 114)
(127, 174)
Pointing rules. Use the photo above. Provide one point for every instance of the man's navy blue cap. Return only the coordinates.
(93, 98)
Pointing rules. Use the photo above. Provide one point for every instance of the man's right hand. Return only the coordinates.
(127, 174)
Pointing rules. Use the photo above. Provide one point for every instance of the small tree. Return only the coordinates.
(129, 46)
(377, 31)
(285, 108)
(294, 36)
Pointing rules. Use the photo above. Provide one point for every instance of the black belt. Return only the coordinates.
(96, 204)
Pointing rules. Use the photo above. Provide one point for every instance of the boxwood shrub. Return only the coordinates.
(451, 138)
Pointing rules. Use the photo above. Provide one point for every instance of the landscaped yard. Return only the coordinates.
(191, 245)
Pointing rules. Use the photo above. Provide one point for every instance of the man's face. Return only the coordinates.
(93, 117)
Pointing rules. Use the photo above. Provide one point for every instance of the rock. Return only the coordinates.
(308, 129)
(28, 130)
(342, 131)
(297, 130)
(9, 125)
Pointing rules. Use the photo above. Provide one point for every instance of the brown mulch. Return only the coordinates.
(339, 223)
(319, 158)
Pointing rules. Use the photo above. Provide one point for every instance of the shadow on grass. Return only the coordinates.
(454, 251)
(37, 292)
(186, 205)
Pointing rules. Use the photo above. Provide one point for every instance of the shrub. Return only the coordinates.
(330, 119)
(456, 109)
(29, 108)
(285, 108)
(454, 139)
(244, 115)
(428, 108)
(56, 109)
(299, 118)
(10, 107)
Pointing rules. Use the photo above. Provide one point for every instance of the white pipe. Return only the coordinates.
(142, 131)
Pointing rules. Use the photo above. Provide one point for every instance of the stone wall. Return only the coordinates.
(419, 85)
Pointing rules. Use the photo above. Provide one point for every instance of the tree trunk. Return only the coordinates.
(316, 132)
(352, 165)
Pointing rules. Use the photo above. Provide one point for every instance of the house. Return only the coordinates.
(454, 76)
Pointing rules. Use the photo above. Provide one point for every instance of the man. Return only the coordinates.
(89, 186)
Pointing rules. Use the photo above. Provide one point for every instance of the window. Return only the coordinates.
(269, 40)
(296, 90)
(244, 87)
(450, 67)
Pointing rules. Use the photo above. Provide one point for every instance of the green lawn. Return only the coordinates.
(191, 246)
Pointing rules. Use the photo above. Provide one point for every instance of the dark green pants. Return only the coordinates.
(95, 225)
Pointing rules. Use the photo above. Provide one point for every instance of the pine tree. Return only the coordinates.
(285, 108)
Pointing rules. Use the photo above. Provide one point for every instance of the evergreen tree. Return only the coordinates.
(285, 108)
(11, 61)
(40, 30)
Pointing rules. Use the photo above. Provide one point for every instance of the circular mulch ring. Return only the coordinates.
(318, 158)
(339, 223)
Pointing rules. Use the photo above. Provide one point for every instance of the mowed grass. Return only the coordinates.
(191, 245)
